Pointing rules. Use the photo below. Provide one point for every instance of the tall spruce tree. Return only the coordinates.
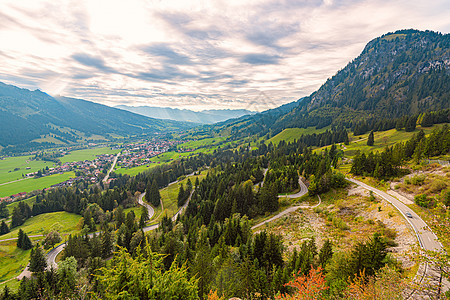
(4, 229)
(37, 260)
(152, 194)
(370, 139)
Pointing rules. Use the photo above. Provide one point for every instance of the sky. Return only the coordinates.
(197, 55)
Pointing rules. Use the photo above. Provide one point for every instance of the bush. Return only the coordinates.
(418, 179)
(424, 201)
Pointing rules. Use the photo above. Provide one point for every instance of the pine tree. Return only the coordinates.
(37, 260)
(4, 212)
(152, 194)
(4, 229)
(370, 139)
(20, 238)
(26, 243)
(325, 254)
(181, 196)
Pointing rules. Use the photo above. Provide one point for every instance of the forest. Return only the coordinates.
(209, 251)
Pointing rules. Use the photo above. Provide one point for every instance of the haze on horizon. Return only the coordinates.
(195, 55)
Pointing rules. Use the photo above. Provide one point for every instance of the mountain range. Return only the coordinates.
(185, 115)
(34, 117)
(398, 74)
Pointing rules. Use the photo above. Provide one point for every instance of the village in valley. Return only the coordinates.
(128, 155)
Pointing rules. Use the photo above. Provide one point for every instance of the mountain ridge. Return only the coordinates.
(403, 73)
(30, 115)
(185, 115)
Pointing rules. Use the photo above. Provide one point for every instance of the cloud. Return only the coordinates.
(260, 59)
(170, 56)
(194, 54)
(92, 61)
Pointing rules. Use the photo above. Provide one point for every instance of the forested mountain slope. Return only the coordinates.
(28, 115)
(397, 74)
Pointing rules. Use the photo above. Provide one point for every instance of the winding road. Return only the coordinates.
(303, 191)
(51, 256)
(427, 274)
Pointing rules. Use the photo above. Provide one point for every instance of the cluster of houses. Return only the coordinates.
(132, 155)
(86, 170)
(138, 154)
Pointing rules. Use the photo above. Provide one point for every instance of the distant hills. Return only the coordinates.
(402, 73)
(185, 115)
(34, 118)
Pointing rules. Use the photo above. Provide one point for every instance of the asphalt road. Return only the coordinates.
(149, 208)
(112, 167)
(427, 239)
(428, 276)
(303, 191)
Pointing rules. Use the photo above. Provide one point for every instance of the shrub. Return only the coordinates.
(424, 201)
(418, 179)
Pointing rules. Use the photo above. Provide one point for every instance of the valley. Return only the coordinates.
(345, 191)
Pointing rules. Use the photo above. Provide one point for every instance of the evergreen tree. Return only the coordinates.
(20, 238)
(181, 196)
(23, 241)
(106, 239)
(370, 139)
(37, 260)
(325, 254)
(4, 212)
(411, 124)
(152, 194)
(4, 229)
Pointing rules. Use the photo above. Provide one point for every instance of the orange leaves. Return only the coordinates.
(307, 287)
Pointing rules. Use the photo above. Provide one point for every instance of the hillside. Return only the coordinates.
(185, 115)
(31, 118)
(397, 74)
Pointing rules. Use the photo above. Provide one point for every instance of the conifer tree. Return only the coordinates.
(37, 260)
(370, 139)
(4, 229)
(152, 194)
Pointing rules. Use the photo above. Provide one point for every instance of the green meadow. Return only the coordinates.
(13, 261)
(41, 224)
(202, 142)
(382, 140)
(32, 184)
(87, 154)
(8, 165)
(291, 134)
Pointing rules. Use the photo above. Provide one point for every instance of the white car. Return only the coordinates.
(408, 214)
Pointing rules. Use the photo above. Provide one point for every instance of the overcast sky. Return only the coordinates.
(195, 54)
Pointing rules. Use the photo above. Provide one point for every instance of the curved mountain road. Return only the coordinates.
(303, 191)
(431, 276)
(51, 256)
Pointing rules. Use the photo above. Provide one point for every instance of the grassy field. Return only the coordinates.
(29, 201)
(13, 261)
(87, 154)
(169, 196)
(32, 184)
(8, 165)
(291, 134)
(382, 139)
(203, 142)
(134, 171)
(48, 139)
(41, 224)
